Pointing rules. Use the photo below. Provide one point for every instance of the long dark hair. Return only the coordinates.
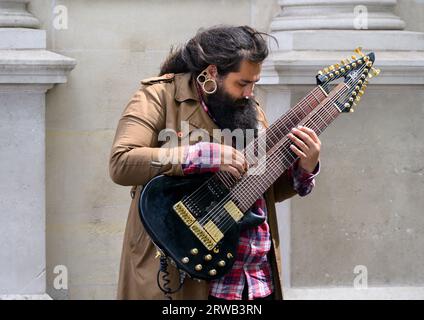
(223, 46)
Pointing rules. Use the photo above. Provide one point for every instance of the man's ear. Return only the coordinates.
(212, 70)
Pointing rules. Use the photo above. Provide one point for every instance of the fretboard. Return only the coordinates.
(280, 157)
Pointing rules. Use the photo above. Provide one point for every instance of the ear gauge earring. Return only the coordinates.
(203, 80)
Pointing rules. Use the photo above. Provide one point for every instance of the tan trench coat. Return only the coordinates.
(164, 102)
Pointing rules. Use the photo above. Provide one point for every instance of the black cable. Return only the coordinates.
(164, 269)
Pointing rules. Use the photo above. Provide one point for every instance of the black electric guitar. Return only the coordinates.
(196, 220)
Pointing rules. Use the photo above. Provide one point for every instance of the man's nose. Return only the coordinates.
(248, 92)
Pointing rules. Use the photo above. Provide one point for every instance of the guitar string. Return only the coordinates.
(316, 115)
(284, 146)
(276, 157)
(211, 214)
(228, 181)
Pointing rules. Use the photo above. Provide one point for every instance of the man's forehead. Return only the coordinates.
(249, 71)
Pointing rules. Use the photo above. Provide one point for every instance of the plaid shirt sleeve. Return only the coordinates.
(205, 157)
(303, 181)
(202, 157)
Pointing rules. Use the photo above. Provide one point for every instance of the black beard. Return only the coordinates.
(230, 113)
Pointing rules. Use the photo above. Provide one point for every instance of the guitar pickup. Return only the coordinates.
(203, 236)
(233, 211)
(213, 231)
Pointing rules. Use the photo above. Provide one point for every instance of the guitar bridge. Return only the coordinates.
(184, 213)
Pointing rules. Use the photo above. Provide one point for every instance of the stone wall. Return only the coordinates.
(365, 209)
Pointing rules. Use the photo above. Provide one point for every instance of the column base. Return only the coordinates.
(44, 296)
(349, 293)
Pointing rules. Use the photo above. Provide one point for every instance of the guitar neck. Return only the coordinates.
(281, 157)
(271, 136)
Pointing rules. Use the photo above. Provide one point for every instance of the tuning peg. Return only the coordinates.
(332, 68)
(366, 58)
(326, 70)
(375, 72)
(345, 61)
(352, 110)
(358, 50)
(337, 66)
(369, 64)
(353, 57)
(320, 73)
(358, 98)
(369, 75)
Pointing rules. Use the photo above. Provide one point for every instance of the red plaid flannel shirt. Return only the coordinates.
(251, 263)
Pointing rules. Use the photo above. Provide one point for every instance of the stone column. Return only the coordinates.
(313, 34)
(27, 71)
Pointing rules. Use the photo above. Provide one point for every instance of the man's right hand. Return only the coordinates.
(233, 161)
(211, 157)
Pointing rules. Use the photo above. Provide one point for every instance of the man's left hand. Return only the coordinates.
(306, 146)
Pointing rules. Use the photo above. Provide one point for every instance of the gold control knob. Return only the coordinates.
(212, 272)
(198, 267)
(194, 251)
(208, 257)
(221, 263)
(185, 260)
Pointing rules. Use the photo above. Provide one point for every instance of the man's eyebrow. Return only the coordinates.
(249, 81)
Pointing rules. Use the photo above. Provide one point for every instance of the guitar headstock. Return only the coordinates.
(356, 73)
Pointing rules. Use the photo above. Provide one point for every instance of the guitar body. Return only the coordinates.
(168, 231)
